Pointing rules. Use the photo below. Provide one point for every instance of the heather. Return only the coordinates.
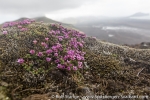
(38, 60)
(36, 51)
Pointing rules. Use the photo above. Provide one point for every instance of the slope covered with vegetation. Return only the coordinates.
(41, 61)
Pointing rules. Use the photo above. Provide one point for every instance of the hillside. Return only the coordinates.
(43, 61)
(45, 20)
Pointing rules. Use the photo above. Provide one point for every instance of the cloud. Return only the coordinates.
(36, 7)
(8, 17)
(58, 9)
(110, 8)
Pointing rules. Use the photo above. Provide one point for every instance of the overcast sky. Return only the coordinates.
(59, 9)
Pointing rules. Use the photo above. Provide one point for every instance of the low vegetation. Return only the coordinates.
(39, 60)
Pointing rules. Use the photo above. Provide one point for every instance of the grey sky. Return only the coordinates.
(58, 9)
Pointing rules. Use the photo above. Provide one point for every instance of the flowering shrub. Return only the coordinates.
(18, 24)
(5, 32)
(59, 48)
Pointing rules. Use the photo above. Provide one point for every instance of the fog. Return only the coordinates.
(59, 10)
(116, 21)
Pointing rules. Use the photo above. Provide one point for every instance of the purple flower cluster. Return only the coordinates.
(66, 53)
(34, 41)
(44, 44)
(32, 51)
(19, 23)
(20, 60)
(5, 32)
(48, 59)
(40, 54)
(49, 51)
(23, 29)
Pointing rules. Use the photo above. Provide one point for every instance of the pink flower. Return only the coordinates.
(57, 61)
(68, 61)
(58, 32)
(40, 54)
(46, 39)
(80, 65)
(80, 44)
(19, 26)
(75, 68)
(32, 51)
(28, 22)
(65, 57)
(66, 36)
(79, 57)
(60, 39)
(23, 29)
(44, 44)
(68, 68)
(58, 46)
(49, 51)
(72, 57)
(52, 32)
(5, 32)
(5, 25)
(70, 52)
(20, 61)
(48, 59)
(34, 41)
(59, 66)
(54, 48)
(56, 54)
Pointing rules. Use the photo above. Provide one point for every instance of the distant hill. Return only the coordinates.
(139, 14)
(42, 19)
(20, 19)
(46, 20)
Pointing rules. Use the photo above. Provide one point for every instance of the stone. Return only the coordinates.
(3, 95)
(2, 83)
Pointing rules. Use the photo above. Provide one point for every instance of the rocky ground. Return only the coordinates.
(109, 70)
(143, 45)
